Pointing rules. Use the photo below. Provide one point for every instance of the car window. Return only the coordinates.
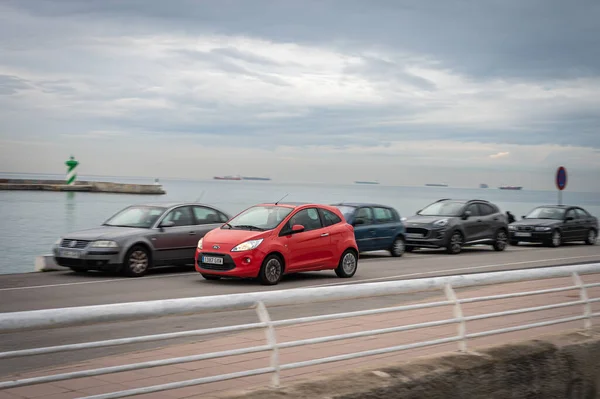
(330, 218)
(347, 211)
(383, 215)
(260, 217)
(571, 214)
(581, 214)
(309, 218)
(181, 216)
(442, 208)
(136, 216)
(546, 213)
(474, 209)
(206, 215)
(364, 214)
(485, 209)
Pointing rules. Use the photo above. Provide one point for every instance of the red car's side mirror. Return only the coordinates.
(297, 228)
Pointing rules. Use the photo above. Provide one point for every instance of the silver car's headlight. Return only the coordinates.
(104, 244)
(248, 245)
(58, 241)
(511, 227)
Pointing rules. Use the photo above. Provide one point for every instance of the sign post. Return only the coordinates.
(561, 182)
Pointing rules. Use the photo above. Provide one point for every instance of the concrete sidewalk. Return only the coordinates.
(134, 379)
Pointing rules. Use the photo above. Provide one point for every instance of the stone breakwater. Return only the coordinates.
(81, 186)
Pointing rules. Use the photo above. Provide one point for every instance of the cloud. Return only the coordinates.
(12, 85)
(336, 78)
(500, 155)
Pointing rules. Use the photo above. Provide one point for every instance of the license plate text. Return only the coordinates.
(522, 234)
(69, 254)
(212, 260)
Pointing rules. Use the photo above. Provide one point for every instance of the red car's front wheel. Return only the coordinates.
(271, 270)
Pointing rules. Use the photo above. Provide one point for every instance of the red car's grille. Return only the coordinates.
(228, 263)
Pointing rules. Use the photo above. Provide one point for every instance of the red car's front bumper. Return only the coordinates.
(244, 264)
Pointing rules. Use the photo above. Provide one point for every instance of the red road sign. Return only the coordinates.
(561, 178)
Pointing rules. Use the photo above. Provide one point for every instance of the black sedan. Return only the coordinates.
(554, 225)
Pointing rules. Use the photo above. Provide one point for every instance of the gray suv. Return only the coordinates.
(453, 224)
(140, 237)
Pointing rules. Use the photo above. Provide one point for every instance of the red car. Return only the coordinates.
(267, 241)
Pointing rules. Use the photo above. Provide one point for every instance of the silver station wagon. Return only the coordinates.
(140, 237)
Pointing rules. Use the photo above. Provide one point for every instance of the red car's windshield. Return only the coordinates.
(265, 217)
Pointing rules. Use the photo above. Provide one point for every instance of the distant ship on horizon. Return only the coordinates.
(365, 182)
(227, 178)
(255, 178)
(436, 185)
(483, 185)
(510, 188)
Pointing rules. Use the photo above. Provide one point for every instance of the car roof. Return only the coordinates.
(285, 204)
(558, 206)
(294, 204)
(463, 200)
(167, 205)
(359, 204)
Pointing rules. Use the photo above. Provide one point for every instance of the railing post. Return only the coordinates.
(587, 308)
(264, 317)
(458, 314)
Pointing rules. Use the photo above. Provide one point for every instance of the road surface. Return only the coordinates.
(34, 291)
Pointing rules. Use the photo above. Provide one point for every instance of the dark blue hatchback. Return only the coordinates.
(376, 227)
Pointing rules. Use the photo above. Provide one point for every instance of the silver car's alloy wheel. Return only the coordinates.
(349, 263)
(399, 247)
(273, 270)
(138, 261)
(556, 239)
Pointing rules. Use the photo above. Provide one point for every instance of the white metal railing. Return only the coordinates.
(17, 321)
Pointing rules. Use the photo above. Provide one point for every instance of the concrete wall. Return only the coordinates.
(107, 187)
(31, 181)
(88, 186)
(565, 366)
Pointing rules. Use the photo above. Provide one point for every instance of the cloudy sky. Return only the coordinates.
(404, 92)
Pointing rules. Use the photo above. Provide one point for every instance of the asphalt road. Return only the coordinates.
(34, 291)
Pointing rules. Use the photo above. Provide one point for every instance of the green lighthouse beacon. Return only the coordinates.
(71, 174)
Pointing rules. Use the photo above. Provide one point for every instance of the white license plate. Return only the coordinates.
(212, 260)
(69, 254)
(414, 235)
(522, 234)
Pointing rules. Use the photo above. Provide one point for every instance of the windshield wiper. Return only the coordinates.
(247, 226)
(227, 224)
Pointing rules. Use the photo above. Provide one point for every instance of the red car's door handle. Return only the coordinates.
(324, 234)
